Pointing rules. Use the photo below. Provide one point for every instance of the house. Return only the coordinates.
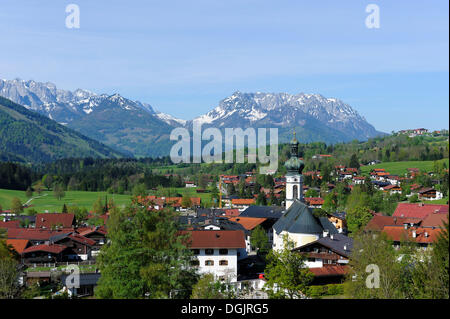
(35, 236)
(190, 184)
(314, 202)
(429, 193)
(394, 180)
(55, 220)
(424, 236)
(97, 234)
(358, 180)
(378, 222)
(329, 274)
(79, 247)
(418, 210)
(392, 189)
(222, 223)
(242, 203)
(338, 219)
(87, 283)
(217, 252)
(45, 254)
(330, 249)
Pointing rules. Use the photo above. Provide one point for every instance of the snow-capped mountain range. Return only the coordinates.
(137, 128)
(287, 110)
(64, 106)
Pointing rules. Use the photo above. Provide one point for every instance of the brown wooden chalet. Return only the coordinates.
(328, 257)
(79, 247)
(97, 234)
(427, 193)
(45, 254)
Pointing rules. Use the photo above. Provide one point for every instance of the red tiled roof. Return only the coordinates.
(248, 223)
(242, 201)
(10, 224)
(35, 234)
(90, 230)
(232, 212)
(19, 245)
(391, 187)
(55, 249)
(399, 233)
(48, 220)
(330, 270)
(418, 210)
(82, 239)
(378, 222)
(216, 239)
(435, 220)
(314, 200)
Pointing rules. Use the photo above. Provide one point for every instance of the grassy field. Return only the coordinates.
(47, 202)
(50, 203)
(399, 168)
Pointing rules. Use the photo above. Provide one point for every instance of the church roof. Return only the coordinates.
(299, 219)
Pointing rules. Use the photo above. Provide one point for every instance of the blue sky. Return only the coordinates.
(183, 57)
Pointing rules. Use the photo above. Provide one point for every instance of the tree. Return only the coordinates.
(357, 218)
(140, 190)
(39, 188)
(330, 203)
(58, 191)
(186, 201)
(377, 269)
(208, 288)
(64, 209)
(9, 273)
(81, 214)
(286, 273)
(16, 206)
(261, 199)
(312, 193)
(98, 207)
(354, 163)
(260, 240)
(431, 276)
(47, 181)
(146, 256)
(29, 192)
(414, 198)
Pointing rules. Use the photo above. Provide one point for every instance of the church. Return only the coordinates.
(298, 221)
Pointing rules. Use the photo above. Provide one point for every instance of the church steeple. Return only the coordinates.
(294, 178)
(294, 164)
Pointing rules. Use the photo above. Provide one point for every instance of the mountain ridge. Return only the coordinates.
(137, 128)
(27, 136)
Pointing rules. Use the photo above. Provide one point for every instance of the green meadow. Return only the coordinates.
(400, 168)
(47, 202)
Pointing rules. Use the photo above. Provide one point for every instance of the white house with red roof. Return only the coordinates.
(217, 252)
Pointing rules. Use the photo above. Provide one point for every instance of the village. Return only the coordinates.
(223, 238)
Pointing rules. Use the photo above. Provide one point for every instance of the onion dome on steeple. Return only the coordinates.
(294, 164)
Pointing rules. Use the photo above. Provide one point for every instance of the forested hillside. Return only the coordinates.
(26, 136)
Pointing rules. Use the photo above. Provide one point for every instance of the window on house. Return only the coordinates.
(209, 251)
(196, 251)
(195, 263)
(209, 263)
(223, 251)
(223, 263)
